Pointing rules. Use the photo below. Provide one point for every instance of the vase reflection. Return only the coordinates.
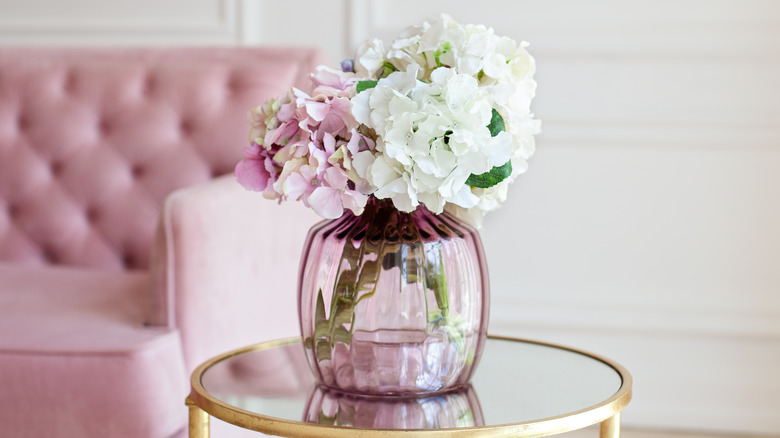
(458, 408)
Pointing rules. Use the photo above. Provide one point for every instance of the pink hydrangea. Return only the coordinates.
(301, 147)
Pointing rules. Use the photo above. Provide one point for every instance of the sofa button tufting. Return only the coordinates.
(128, 261)
(14, 210)
(233, 85)
(138, 171)
(68, 83)
(104, 127)
(92, 214)
(49, 255)
(56, 168)
(185, 127)
(147, 86)
(23, 123)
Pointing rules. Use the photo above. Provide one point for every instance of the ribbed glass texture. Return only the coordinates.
(393, 303)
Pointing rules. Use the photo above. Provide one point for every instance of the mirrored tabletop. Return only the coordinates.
(519, 385)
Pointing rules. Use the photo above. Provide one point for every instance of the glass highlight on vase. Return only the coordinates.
(393, 303)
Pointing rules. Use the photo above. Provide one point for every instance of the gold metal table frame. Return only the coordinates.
(202, 404)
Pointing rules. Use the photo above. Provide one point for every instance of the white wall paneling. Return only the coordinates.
(125, 22)
(646, 228)
(310, 22)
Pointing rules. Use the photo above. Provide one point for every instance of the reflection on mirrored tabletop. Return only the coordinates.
(458, 408)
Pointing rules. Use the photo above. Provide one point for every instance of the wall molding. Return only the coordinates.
(635, 35)
(221, 26)
(359, 27)
(658, 133)
(516, 315)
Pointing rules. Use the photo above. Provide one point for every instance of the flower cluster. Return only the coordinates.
(441, 117)
(301, 147)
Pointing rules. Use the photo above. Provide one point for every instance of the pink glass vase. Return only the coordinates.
(393, 303)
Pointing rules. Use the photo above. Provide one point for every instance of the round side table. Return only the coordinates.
(521, 388)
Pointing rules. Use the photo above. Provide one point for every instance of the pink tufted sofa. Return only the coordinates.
(126, 258)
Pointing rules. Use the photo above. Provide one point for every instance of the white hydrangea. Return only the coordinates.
(430, 138)
(446, 74)
(372, 56)
(489, 200)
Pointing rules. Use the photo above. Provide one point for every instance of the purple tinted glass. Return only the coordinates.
(393, 303)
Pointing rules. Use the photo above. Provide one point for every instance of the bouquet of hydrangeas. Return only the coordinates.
(441, 118)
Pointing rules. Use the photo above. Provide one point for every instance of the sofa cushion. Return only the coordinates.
(93, 139)
(73, 349)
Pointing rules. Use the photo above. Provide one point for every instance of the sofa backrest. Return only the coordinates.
(93, 139)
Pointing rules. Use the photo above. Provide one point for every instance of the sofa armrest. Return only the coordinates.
(225, 267)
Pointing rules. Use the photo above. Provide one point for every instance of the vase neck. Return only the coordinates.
(381, 220)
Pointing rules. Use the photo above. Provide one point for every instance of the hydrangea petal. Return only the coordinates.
(326, 202)
(251, 174)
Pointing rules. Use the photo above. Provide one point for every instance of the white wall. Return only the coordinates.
(646, 228)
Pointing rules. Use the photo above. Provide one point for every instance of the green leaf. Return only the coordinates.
(331, 421)
(436, 278)
(386, 70)
(367, 85)
(496, 123)
(498, 173)
(364, 296)
(321, 324)
(319, 308)
(490, 178)
(343, 314)
(322, 350)
(340, 334)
